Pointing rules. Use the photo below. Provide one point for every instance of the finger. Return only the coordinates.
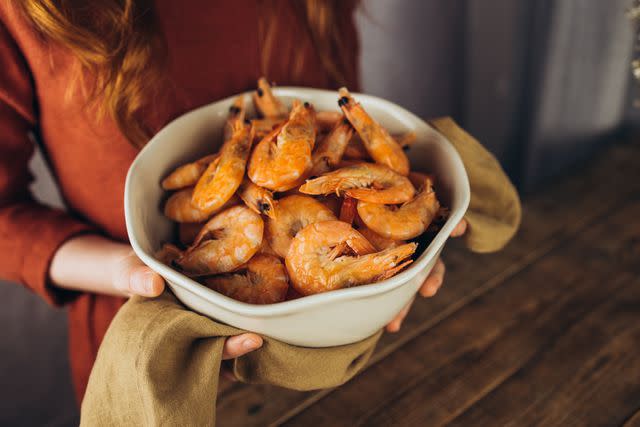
(240, 344)
(145, 282)
(430, 286)
(134, 278)
(396, 323)
(460, 229)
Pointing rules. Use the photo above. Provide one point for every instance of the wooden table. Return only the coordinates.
(546, 332)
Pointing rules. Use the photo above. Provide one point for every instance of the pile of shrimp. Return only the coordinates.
(298, 202)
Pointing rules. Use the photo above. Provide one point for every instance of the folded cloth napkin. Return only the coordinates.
(494, 211)
(159, 362)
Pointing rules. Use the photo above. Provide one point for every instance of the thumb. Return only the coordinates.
(132, 277)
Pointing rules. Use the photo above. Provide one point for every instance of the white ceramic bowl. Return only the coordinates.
(323, 320)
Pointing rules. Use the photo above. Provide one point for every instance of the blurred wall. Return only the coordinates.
(412, 53)
(580, 83)
(541, 83)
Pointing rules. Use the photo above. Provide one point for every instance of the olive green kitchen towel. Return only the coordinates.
(494, 212)
(159, 362)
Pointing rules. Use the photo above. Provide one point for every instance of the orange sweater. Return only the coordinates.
(213, 52)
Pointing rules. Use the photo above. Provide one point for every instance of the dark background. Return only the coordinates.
(544, 84)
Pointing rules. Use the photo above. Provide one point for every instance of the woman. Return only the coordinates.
(94, 82)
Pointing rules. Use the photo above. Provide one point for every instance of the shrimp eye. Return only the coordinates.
(260, 91)
(406, 148)
(307, 105)
(234, 110)
(343, 101)
(345, 121)
(247, 121)
(264, 207)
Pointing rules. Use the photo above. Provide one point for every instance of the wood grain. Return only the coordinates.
(459, 361)
(550, 219)
(633, 420)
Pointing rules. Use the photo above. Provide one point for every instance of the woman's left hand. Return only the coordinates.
(431, 285)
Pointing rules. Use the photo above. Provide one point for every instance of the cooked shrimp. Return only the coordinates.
(180, 207)
(313, 268)
(263, 127)
(168, 253)
(226, 242)
(329, 151)
(292, 214)
(379, 242)
(332, 202)
(292, 294)
(355, 149)
(187, 175)
(345, 163)
(266, 249)
(363, 181)
(283, 157)
(187, 232)
(405, 222)
(236, 114)
(295, 191)
(348, 210)
(258, 199)
(218, 183)
(418, 179)
(326, 120)
(406, 140)
(266, 102)
(263, 280)
(380, 145)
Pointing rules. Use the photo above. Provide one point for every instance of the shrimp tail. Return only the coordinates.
(357, 244)
(386, 263)
(337, 251)
(361, 246)
(327, 184)
(392, 272)
(320, 185)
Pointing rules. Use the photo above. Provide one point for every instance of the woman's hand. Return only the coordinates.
(135, 278)
(431, 285)
(92, 263)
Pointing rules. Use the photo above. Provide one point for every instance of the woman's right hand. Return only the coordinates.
(134, 278)
(93, 263)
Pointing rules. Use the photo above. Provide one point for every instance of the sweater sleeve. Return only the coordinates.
(30, 233)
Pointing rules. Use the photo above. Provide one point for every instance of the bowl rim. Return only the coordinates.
(307, 302)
